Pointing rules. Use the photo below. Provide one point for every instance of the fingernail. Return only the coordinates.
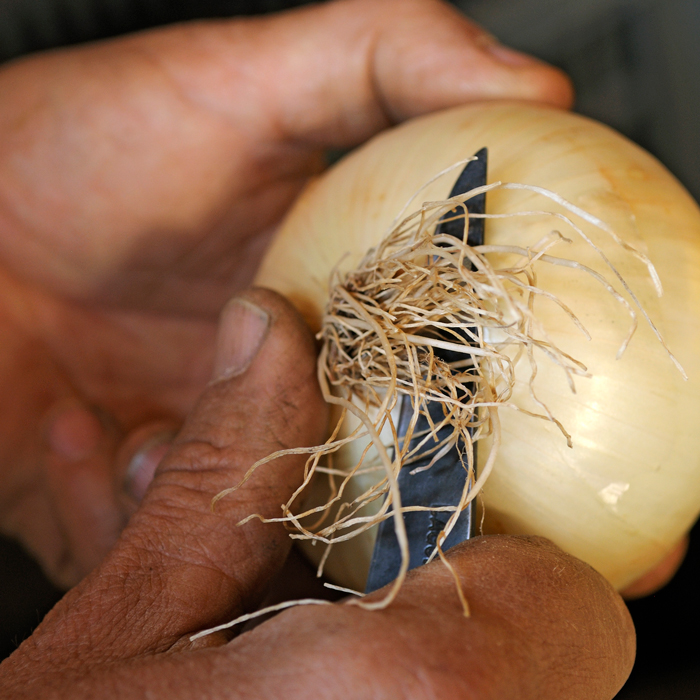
(144, 463)
(242, 331)
(508, 56)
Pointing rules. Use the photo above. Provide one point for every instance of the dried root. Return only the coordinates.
(411, 294)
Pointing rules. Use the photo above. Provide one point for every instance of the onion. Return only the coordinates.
(628, 488)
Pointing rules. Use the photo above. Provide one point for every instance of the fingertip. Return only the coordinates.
(293, 337)
(660, 575)
(242, 331)
(74, 432)
(565, 620)
(550, 86)
(537, 80)
(505, 73)
(442, 59)
(80, 446)
(141, 453)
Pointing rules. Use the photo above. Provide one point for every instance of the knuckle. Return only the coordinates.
(196, 456)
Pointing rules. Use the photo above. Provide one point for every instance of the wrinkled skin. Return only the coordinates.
(542, 625)
(140, 180)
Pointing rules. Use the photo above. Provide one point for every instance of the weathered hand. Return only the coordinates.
(543, 626)
(140, 180)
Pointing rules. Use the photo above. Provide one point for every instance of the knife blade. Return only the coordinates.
(443, 483)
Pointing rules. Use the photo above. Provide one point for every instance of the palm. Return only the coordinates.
(150, 211)
(124, 183)
(125, 235)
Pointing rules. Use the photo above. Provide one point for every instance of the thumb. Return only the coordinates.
(334, 74)
(179, 566)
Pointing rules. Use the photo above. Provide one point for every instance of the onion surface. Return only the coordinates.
(629, 487)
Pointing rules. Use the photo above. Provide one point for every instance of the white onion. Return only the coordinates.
(629, 488)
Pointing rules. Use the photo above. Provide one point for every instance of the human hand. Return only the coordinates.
(140, 180)
(543, 625)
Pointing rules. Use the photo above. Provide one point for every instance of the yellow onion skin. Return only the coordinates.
(629, 488)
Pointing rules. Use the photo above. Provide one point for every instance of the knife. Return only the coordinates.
(443, 483)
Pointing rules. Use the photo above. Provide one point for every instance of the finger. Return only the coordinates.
(78, 466)
(179, 566)
(543, 625)
(210, 131)
(95, 479)
(51, 499)
(335, 74)
(660, 575)
(138, 458)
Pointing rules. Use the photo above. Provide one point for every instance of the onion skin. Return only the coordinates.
(629, 489)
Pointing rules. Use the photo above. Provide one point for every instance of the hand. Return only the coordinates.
(543, 624)
(140, 180)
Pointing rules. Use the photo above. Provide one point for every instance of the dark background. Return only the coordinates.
(635, 65)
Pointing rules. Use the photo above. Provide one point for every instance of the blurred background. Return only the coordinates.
(635, 65)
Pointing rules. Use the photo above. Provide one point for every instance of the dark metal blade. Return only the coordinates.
(472, 176)
(442, 484)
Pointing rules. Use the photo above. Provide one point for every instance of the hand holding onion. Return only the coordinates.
(125, 630)
(140, 181)
(101, 295)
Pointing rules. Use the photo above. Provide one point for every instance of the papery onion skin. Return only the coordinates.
(629, 488)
